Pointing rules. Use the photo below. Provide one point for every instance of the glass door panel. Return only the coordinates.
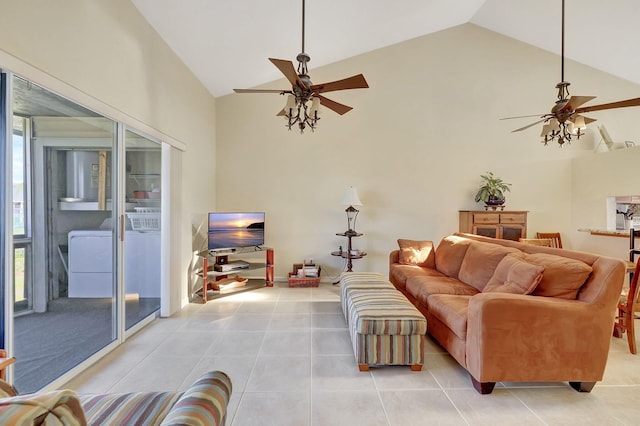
(64, 254)
(142, 266)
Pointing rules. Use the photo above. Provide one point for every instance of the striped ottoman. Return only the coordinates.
(385, 328)
(350, 281)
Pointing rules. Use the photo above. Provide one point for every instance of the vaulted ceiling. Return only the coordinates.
(226, 43)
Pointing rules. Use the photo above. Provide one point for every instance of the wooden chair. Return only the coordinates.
(546, 242)
(556, 241)
(627, 306)
(5, 361)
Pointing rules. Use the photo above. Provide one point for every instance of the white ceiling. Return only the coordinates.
(226, 43)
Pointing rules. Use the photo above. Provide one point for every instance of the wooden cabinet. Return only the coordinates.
(507, 225)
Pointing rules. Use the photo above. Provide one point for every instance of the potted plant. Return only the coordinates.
(492, 191)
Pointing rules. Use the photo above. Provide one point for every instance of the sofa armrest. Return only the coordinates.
(56, 407)
(204, 403)
(394, 257)
(544, 338)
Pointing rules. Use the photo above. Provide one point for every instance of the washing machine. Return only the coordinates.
(91, 263)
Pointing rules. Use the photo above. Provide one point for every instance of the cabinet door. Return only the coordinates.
(486, 230)
(512, 232)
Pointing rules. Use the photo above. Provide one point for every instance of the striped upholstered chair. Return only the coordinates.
(204, 403)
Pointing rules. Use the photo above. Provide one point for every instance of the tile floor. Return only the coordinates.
(289, 355)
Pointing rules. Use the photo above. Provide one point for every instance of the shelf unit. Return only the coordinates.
(347, 254)
(209, 259)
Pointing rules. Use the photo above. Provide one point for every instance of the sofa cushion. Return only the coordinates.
(451, 310)
(422, 287)
(514, 275)
(400, 274)
(562, 276)
(449, 255)
(419, 253)
(480, 263)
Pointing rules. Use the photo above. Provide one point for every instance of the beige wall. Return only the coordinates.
(414, 146)
(103, 54)
(595, 178)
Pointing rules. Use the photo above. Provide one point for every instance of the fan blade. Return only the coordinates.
(522, 116)
(576, 101)
(261, 91)
(612, 105)
(530, 125)
(333, 105)
(353, 82)
(286, 68)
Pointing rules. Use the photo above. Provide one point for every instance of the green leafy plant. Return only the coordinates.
(492, 188)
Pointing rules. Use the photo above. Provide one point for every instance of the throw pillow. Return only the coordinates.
(562, 276)
(419, 253)
(514, 275)
(449, 255)
(480, 263)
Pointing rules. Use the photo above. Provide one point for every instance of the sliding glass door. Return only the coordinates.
(84, 215)
(142, 236)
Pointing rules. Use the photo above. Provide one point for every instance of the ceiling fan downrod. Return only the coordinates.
(302, 57)
(563, 86)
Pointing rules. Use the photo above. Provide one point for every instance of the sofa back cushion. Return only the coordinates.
(419, 253)
(450, 253)
(562, 276)
(480, 262)
(514, 275)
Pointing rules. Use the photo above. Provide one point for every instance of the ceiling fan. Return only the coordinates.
(565, 120)
(297, 111)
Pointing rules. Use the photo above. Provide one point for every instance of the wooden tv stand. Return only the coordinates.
(226, 281)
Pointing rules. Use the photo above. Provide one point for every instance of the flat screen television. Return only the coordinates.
(228, 230)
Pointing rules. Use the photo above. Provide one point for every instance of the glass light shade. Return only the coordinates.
(579, 122)
(554, 125)
(351, 197)
(545, 129)
(291, 102)
(315, 107)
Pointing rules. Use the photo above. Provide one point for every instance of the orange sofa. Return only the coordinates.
(510, 312)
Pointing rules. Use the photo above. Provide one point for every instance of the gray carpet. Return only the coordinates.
(49, 344)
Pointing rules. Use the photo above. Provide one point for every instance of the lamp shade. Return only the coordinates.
(351, 197)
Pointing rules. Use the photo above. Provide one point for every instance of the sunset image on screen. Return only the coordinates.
(231, 230)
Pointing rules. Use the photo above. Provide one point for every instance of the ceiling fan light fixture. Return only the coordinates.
(579, 122)
(298, 112)
(303, 103)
